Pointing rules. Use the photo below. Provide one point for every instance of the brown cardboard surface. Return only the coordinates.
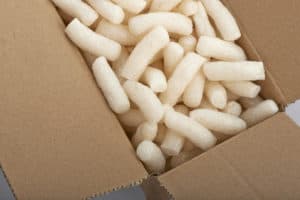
(58, 139)
(262, 163)
(273, 28)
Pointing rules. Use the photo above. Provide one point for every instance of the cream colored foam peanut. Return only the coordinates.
(219, 49)
(172, 54)
(233, 108)
(249, 102)
(223, 19)
(242, 88)
(92, 42)
(234, 71)
(145, 99)
(203, 26)
(260, 112)
(78, 9)
(118, 64)
(219, 121)
(173, 23)
(151, 155)
(155, 79)
(216, 94)
(193, 94)
(108, 10)
(143, 52)
(188, 43)
(190, 129)
(145, 131)
(132, 118)
(184, 73)
(133, 6)
(164, 5)
(110, 86)
(188, 7)
(117, 32)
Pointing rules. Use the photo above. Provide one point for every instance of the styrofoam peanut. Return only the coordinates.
(242, 88)
(184, 73)
(216, 94)
(145, 131)
(132, 6)
(203, 26)
(220, 49)
(184, 157)
(190, 129)
(218, 121)
(151, 155)
(188, 7)
(188, 43)
(93, 43)
(117, 32)
(206, 104)
(234, 71)
(173, 53)
(193, 94)
(143, 52)
(172, 22)
(223, 19)
(249, 102)
(108, 10)
(259, 112)
(155, 79)
(110, 86)
(77, 9)
(145, 99)
(233, 108)
(132, 118)
(118, 64)
(163, 5)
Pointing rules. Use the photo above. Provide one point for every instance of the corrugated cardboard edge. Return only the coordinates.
(153, 189)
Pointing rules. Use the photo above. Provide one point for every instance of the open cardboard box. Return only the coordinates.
(59, 140)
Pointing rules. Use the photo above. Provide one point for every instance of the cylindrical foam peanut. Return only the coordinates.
(219, 121)
(233, 108)
(203, 26)
(223, 19)
(234, 71)
(188, 43)
(216, 94)
(163, 5)
(173, 23)
(249, 102)
(172, 143)
(184, 157)
(193, 94)
(206, 104)
(151, 155)
(132, 118)
(117, 32)
(145, 99)
(108, 10)
(259, 112)
(220, 49)
(242, 88)
(172, 53)
(92, 42)
(184, 73)
(155, 79)
(110, 86)
(132, 6)
(118, 64)
(188, 7)
(190, 129)
(143, 52)
(145, 131)
(78, 9)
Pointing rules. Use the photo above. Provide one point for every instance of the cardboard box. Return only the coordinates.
(59, 140)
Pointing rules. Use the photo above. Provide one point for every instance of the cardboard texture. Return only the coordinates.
(58, 139)
(262, 163)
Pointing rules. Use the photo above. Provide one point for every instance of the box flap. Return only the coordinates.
(273, 28)
(58, 139)
(261, 163)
